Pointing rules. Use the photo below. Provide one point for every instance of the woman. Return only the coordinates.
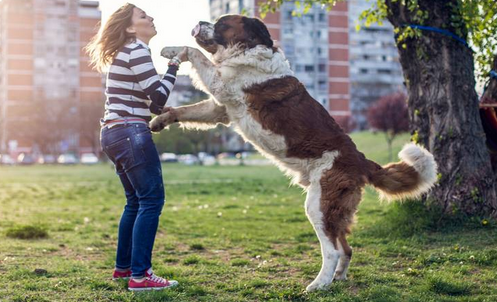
(134, 91)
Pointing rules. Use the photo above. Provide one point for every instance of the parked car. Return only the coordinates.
(89, 159)
(26, 159)
(206, 159)
(6, 159)
(169, 158)
(47, 159)
(188, 159)
(226, 155)
(67, 159)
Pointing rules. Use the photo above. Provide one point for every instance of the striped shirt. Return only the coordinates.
(134, 89)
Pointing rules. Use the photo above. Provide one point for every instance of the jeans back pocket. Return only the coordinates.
(123, 155)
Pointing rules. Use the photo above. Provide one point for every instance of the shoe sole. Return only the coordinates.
(148, 288)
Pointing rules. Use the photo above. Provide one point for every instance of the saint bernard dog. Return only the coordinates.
(253, 89)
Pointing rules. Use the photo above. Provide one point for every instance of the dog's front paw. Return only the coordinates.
(156, 125)
(162, 121)
(171, 51)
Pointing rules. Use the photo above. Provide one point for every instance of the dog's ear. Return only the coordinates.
(258, 33)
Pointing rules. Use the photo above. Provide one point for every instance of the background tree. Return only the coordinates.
(389, 115)
(180, 141)
(346, 122)
(89, 116)
(440, 78)
(52, 122)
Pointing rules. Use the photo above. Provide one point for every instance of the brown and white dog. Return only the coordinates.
(253, 89)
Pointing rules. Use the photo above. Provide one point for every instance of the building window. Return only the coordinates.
(289, 50)
(309, 68)
(288, 15)
(363, 71)
(288, 31)
(322, 68)
(324, 102)
(384, 71)
(322, 85)
(309, 17)
(227, 8)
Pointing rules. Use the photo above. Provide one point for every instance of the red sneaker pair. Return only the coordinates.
(149, 282)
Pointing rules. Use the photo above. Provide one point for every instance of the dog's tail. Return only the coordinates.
(413, 176)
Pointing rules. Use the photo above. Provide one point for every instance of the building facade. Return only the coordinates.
(316, 45)
(375, 70)
(45, 79)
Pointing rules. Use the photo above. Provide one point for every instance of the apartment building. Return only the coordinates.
(375, 70)
(316, 45)
(45, 81)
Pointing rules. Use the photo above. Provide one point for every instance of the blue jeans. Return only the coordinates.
(131, 149)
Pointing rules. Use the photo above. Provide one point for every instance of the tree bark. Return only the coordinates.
(443, 110)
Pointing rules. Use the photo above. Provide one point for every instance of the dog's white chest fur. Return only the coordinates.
(254, 66)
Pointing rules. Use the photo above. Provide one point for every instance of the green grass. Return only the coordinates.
(229, 234)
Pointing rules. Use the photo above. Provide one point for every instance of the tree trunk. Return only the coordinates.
(389, 143)
(490, 97)
(443, 110)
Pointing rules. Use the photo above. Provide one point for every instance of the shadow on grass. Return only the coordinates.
(27, 232)
(412, 218)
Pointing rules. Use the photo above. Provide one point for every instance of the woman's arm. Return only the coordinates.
(157, 89)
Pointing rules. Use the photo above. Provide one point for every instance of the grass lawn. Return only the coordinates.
(230, 234)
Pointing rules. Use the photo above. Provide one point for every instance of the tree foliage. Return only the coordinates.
(476, 19)
(389, 115)
(181, 141)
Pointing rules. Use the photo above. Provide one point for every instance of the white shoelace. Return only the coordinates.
(157, 279)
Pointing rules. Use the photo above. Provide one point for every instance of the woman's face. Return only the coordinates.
(142, 25)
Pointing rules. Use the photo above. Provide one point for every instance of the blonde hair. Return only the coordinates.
(105, 45)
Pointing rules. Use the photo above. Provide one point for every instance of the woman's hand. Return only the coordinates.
(183, 55)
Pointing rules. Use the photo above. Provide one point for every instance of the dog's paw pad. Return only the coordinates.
(171, 51)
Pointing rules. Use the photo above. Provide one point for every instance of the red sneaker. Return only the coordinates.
(151, 282)
(121, 275)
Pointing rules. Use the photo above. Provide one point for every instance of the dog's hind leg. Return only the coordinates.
(329, 252)
(343, 265)
(331, 205)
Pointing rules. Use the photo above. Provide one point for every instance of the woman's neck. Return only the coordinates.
(143, 39)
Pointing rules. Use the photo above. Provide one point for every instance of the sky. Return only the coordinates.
(173, 19)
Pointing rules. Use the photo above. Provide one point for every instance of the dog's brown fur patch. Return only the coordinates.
(340, 194)
(284, 107)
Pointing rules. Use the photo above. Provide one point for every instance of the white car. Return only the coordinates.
(67, 159)
(206, 159)
(188, 159)
(6, 159)
(47, 159)
(168, 158)
(89, 159)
